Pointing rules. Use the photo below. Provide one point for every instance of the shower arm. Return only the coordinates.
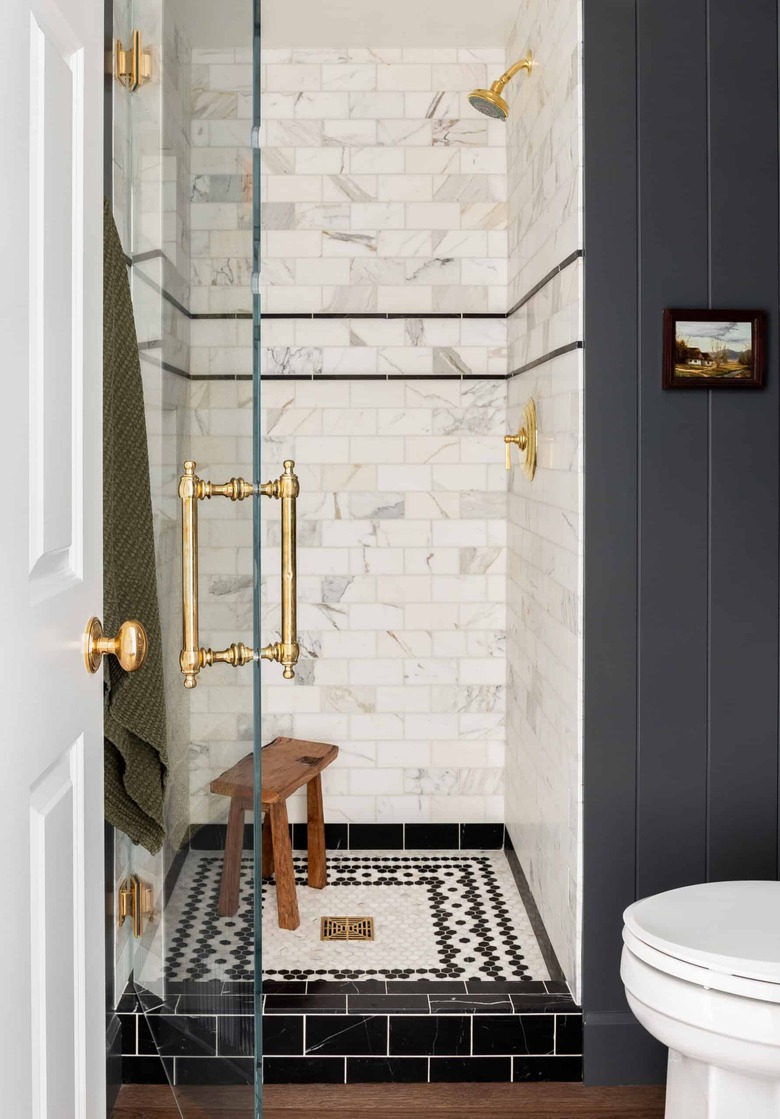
(524, 64)
(193, 489)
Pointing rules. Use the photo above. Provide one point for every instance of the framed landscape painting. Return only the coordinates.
(714, 349)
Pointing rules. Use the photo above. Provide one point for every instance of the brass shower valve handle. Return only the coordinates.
(193, 489)
(525, 440)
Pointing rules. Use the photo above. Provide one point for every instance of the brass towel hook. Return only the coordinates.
(524, 440)
(193, 489)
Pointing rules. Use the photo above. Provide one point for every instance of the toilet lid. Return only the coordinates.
(729, 927)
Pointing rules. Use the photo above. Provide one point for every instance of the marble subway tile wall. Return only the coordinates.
(545, 546)
(383, 194)
(402, 586)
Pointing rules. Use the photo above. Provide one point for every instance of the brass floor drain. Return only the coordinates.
(346, 928)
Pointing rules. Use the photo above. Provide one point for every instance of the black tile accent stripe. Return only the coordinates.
(544, 282)
(356, 837)
(567, 349)
(154, 254)
(540, 932)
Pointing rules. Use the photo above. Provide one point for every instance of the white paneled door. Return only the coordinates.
(52, 1032)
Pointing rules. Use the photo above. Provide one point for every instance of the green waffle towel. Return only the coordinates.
(136, 752)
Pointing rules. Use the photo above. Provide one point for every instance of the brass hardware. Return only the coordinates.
(135, 902)
(525, 440)
(193, 489)
(346, 928)
(132, 67)
(286, 489)
(129, 646)
(489, 101)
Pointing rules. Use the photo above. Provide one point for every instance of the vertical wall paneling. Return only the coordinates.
(611, 576)
(672, 727)
(681, 489)
(744, 451)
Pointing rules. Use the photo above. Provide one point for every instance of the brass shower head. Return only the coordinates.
(489, 101)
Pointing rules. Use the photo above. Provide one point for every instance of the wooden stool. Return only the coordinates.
(287, 764)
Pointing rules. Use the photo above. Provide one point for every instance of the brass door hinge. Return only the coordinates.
(135, 902)
(132, 67)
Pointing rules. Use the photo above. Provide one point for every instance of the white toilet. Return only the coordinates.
(701, 969)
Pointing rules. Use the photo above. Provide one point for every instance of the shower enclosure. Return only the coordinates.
(337, 262)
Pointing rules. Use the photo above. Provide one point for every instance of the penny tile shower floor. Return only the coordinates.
(438, 916)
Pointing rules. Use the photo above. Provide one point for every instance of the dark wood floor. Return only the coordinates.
(395, 1101)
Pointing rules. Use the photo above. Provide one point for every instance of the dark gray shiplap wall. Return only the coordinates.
(681, 489)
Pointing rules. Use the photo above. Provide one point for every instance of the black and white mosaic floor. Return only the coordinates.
(438, 916)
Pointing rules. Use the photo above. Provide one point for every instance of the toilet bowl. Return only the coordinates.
(701, 970)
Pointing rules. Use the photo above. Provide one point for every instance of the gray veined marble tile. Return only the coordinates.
(479, 561)
(363, 241)
(481, 505)
(448, 132)
(214, 105)
(334, 587)
(286, 360)
(349, 188)
(430, 781)
(439, 270)
(277, 215)
(230, 585)
(375, 507)
(448, 360)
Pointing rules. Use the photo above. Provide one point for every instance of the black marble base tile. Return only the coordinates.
(346, 987)
(388, 1004)
(471, 1070)
(305, 1004)
(379, 837)
(192, 987)
(431, 837)
(236, 1035)
(128, 1024)
(146, 1042)
(506, 987)
(282, 1035)
(211, 837)
(429, 1036)
(244, 987)
(336, 837)
(470, 1004)
(557, 987)
(549, 1069)
(221, 1071)
(303, 1070)
(215, 1004)
(284, 986)
(568, 1034)
(184, 1035)
(347, 1035)
(514, 1033)
(143, 1070)
(543, 1004)
(128, 1003)
(387, 1070)
(486, 837)
(426, 987)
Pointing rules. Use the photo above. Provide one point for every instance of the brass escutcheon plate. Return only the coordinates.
(346, 928)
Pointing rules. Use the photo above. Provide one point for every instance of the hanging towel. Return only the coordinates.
(136, 753)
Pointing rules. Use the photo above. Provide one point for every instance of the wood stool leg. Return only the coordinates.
(267, 846)
(231, 867)
(318, 867)
(286, 899)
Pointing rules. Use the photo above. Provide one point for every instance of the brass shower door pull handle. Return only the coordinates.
(129, 646)
(286, 489)
(193, 489)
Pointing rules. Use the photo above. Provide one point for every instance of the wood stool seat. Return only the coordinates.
(287, 764)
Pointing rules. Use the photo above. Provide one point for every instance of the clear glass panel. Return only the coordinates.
(182, 197)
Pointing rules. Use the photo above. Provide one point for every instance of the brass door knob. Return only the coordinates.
(129, 646)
